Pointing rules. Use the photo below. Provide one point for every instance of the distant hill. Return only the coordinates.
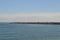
(34, 22)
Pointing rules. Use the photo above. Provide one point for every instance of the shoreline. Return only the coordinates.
(34, 23)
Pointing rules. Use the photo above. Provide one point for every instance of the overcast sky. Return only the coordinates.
(29, 10)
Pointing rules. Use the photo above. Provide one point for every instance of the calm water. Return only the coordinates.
(29, 32)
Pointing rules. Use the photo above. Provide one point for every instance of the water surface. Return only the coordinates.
(29, 32)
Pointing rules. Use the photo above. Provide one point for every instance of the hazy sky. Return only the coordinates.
(21, 10)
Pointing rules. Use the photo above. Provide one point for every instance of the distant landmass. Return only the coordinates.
(34, 23)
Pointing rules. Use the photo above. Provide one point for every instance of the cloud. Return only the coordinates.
(29, 17)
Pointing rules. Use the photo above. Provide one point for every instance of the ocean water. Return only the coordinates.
(29, 32)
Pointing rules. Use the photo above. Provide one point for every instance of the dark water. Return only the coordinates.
(29, 32)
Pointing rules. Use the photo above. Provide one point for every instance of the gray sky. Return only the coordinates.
(29, 17)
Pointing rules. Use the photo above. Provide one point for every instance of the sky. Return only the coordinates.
(29, 10)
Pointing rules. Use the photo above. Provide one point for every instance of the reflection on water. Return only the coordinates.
(29, 32)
